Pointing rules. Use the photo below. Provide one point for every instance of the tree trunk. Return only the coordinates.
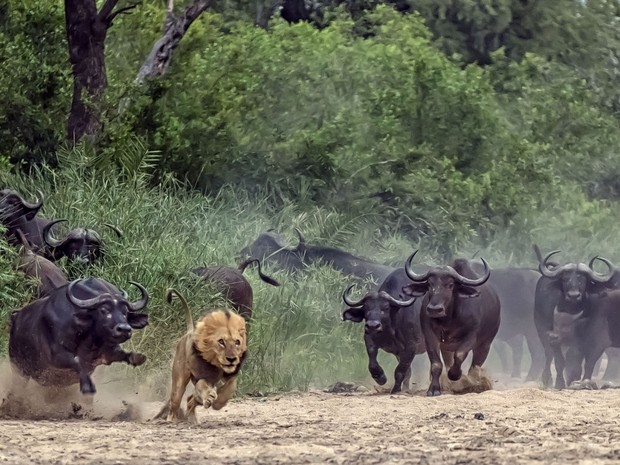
(158, 61)
(86, 33)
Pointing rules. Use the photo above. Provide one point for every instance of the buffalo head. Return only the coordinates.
(442, 283)
(106, 310)
(13, 206)
(271, 247)
(375, 308)
(80, 244)
(577, 280)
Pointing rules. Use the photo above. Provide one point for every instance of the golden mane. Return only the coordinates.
(219, 334)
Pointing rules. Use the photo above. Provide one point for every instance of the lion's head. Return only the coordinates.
(220, 337)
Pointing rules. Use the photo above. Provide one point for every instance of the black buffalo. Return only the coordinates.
(16, 213)
(60, 340)
(459, 314)
(233, 285)
(271, 247)
(392, 324)
(80, 245)
(572, 289)
(515, 288)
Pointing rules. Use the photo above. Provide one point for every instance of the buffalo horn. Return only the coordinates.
(118, 232)
(140, 304)
(418, 278)
(348, 301)
(546, 272)
(87, 303)
(400, 303)
(471, 282)
(34, 206)
(302, 239)
(49, 240)
(597, 277)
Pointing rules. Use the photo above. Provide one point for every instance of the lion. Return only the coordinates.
(209, 355)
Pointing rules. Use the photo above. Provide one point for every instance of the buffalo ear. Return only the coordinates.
(415, 289)
(467, 292)
(137, 320)
(355, 315)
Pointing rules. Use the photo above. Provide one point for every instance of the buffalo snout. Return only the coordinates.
(122, 330)
(373, 326)
(574, 295)
(436, 310)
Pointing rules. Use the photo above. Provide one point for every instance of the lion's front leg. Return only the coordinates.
(224, 393)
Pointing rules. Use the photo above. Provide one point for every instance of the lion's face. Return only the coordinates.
(220, 338)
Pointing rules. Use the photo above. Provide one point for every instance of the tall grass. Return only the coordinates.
(297, 337)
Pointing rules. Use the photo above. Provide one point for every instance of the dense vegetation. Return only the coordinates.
(456, 126)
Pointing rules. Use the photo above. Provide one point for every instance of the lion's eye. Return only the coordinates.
(238, 342)
(221, 342)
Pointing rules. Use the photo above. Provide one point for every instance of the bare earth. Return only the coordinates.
(524, 425)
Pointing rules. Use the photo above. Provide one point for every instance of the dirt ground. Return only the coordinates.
(514, 426)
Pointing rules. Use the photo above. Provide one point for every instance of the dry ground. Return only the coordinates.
(519, 425)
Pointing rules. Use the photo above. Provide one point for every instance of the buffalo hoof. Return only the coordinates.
(380, 379)
(87, 387)
(396, 390)
(454, 374)
(136, 359)
(585, 385)
(433, 392)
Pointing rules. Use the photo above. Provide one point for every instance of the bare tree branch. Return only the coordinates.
(121, 11)
(160, 57)
(106, 9)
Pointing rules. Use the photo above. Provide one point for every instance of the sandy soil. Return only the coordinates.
(519, 425)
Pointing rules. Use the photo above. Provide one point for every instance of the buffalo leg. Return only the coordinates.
(432, 349)
(574, 362)
(612, 372)
(119, 355)
(516, 345)
(64, 359)
(480, 355)
(374, 368)
(403, 367)
(537, 355)
(560, 364)
(592, 356)
(455, 371)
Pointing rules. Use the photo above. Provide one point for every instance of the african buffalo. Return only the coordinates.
(572, 289)
(459, 314)
(271, 246)
(392, 324)
(80, 244)
(515, 288)
(231, 282)
(60, 340)
(49, 276)
(16, 213)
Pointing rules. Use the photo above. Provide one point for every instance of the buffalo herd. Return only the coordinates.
(566, 313)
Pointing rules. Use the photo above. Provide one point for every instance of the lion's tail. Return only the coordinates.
(188, 315)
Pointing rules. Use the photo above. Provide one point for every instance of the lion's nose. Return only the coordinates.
(231, 359)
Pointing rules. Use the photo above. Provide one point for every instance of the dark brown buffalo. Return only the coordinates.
(80, 245)
(34, 266)
(271, 248)
(16, 213)
(392, 324)
(460, 313)
(572, 289)
(233, 285)
(59, 340)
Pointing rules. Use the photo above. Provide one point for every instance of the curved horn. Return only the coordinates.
(118, 232)
(49, 240)
(469, 281)
(417, 278)
(302, 239)
(140, 304)
(348, 301)
(400, 303)
(546, 272)
(597, 277)
(37, 204)
(87, 303)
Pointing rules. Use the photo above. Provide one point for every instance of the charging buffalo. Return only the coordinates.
(459, 314)
(16, 213)
(60, 340)
(392, 324)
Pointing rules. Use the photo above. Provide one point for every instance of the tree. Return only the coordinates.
(158, 61)
(86, 33)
